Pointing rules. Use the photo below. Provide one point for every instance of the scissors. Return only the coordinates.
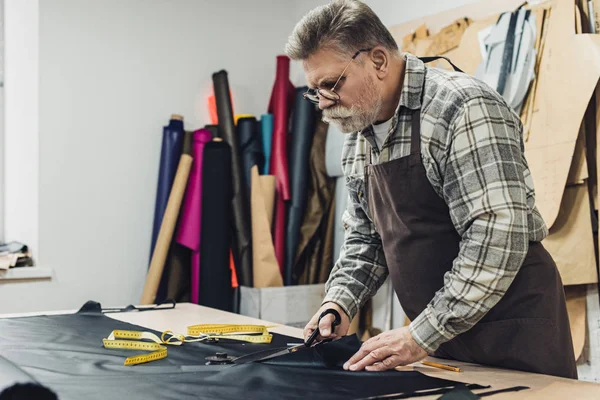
(316, 332)
(272, 353)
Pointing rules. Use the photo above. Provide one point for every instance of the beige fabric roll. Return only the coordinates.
(167, 228)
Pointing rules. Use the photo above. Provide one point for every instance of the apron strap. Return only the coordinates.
(415, 134)
(430, 59)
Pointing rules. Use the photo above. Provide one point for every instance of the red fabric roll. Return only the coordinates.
(280, 105)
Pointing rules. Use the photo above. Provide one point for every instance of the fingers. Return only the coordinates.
(325, 326)
(368, 355)
(362, 352)
(389, 363)
(310, 327)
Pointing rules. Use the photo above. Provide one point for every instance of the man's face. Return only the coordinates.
(360, 100)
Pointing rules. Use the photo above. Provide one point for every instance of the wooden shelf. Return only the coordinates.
(16, 274)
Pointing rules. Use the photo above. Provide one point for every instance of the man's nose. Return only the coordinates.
(325, 103)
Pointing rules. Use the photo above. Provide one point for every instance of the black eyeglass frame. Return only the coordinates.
(312, 95)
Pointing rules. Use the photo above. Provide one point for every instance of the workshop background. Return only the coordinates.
(156, 150)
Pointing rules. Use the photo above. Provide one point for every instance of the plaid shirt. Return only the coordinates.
(473, 153)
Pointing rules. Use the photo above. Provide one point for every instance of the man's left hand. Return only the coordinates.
(386, 351)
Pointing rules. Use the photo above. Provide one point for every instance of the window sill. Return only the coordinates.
(25, 273)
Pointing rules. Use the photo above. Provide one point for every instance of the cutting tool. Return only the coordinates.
(272, 353)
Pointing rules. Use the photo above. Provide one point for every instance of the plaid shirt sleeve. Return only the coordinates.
(361, 268)
(484, 187)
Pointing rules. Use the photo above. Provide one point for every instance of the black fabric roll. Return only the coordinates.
(303, 130)
(215, 130)
(242, 235)
(215, 274)
(250, 146)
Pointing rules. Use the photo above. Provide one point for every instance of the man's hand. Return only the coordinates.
(386, 351)
(325, 324)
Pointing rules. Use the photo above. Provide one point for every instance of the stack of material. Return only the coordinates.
(13, 255)
(237, 205)
(557, 104)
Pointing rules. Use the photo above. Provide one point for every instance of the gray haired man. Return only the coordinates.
(441, 200)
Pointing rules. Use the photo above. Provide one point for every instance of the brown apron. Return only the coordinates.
(527, 330)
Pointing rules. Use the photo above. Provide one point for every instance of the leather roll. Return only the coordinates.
(215, 275)
(250, 147)
(266, 138)
(171, 150)
(315, 248)
(303, 129)
(214, 130)
(280, 105)
(188, 233)
(242, 237)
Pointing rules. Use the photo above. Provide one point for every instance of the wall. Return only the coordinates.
(391, 12)
(110, 75)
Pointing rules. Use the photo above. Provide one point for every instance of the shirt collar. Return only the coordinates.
(412, 87)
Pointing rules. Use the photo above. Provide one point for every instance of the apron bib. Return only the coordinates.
(527, 330)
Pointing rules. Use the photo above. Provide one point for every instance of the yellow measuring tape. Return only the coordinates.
(133, 340)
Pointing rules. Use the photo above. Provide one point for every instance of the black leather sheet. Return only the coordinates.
(65, 353)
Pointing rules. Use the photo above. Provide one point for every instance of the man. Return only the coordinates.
(440, 199)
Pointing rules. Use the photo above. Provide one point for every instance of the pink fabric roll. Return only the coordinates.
(188, 234)
(280, 105)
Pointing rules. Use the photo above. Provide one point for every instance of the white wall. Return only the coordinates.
(111, 73)
(391, 12)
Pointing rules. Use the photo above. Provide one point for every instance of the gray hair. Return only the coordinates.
(343, 26)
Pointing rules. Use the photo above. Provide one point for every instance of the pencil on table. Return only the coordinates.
(442, 366)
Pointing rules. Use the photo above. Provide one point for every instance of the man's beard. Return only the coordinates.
(361, 114)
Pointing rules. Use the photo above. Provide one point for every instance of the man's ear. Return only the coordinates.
(380, 58)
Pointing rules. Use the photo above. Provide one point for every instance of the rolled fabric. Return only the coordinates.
(167, 228)
(215, 242)
(188, 234)
(303, 129)
(171, 150)
(250, 146)
(315, 247)
(266, 138)
(215, 130)
(280, 105)
(242, 237)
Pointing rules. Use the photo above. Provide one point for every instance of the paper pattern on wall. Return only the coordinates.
(571, 241)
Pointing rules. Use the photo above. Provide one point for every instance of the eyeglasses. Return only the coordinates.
(312, 95)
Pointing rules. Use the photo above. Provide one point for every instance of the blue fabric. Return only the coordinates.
(266, 136)
(172, 147)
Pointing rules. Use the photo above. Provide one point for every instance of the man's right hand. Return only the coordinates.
(325, 324)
